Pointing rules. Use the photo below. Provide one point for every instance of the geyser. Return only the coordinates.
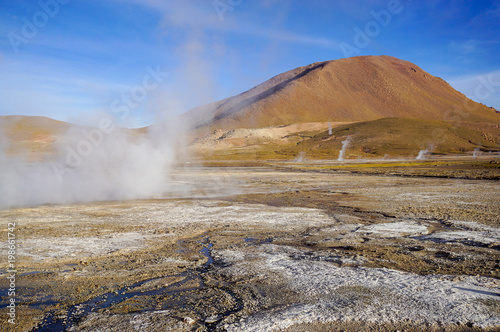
(345, 144)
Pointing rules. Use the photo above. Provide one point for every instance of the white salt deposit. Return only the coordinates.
(469, 233)
(170, 214)
(330, 293)
(394, 229)
(66, 247)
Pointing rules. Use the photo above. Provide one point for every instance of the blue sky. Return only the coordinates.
(76, 60)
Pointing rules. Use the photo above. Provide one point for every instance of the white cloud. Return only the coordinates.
(203, 16)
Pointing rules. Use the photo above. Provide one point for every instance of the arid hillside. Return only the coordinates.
(388, 107)
(353, 89)
(33, 135)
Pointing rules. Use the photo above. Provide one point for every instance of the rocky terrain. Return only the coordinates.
(276, 247)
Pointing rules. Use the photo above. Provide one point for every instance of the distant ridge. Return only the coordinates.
(30, 134)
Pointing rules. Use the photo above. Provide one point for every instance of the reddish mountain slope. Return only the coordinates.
(353, 89)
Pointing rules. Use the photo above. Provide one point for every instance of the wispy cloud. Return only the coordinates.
(203, 17)
(287, 36)
(467, 47)
(471, 46)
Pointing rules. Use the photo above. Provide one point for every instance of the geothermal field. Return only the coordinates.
(239, 166)
(359, 194)
(273, 246)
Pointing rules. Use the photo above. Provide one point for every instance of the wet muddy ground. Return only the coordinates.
(262, 249)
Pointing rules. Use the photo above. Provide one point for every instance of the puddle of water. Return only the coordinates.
(206, 251)
(77, 312)
(467, 242)
(252, 240)
(478, 291)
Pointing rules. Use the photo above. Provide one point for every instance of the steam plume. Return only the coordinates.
(301, 157)
(423, 154)
(115, 166)
(345, 144)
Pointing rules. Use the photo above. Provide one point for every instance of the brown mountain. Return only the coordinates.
(387, 106)
(353, 89)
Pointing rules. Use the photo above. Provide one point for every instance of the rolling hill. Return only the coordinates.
(393, 137)
(32, 135)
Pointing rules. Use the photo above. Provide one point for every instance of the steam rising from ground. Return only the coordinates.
(300, 157)
(345, 144)
(105, 164)
(423, 154)
(91, 165)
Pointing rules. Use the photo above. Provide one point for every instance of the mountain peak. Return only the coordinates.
(360, 88)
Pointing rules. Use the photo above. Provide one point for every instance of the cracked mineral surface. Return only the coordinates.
(264, 249)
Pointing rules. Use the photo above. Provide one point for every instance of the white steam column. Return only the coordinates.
(345, 144)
